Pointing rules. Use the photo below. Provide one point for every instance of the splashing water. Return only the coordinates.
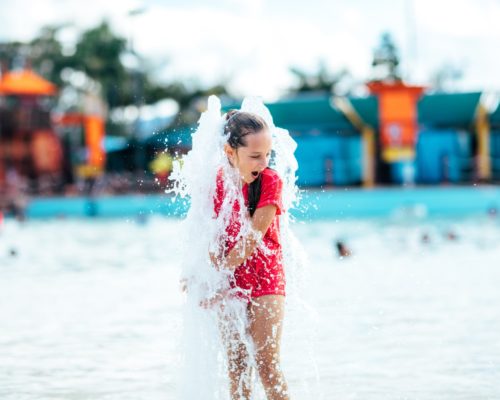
(205, 371)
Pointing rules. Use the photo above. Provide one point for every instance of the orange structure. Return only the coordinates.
(28, 145)
(26, 82)
(94, 132)
(398, 119)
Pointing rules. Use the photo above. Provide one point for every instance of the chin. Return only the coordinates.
(249, 180)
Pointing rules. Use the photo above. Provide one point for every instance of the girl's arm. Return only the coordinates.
(261, 220)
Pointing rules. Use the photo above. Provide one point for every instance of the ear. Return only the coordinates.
(230, 153)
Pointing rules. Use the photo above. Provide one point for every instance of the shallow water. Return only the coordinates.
(91, 310)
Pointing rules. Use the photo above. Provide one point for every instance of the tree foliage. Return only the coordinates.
(386, 60)
(101, 54)
(46, 55)
(98, 53)
(322, 80)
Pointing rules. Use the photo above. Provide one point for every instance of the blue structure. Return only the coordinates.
(495, 143)
(329, 159)
(445, 145)
(315, 204)
(446, 137)
(329, 148)
(442, 156)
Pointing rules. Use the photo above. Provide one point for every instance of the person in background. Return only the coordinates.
(342, 250)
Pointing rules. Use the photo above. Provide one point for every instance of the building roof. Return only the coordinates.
(448, 110)
(495, 117)
(25, 82)
(367, 109)
(451, 110)
(315, 114)
(310, 114)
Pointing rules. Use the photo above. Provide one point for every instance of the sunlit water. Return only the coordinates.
(91, 310)
(204, 367)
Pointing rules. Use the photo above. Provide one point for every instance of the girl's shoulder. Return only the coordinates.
(220, 174)
(219, 180)
(219, 191)
(270, 176)
(271, 188)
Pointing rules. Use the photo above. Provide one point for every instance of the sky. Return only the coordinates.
(251, 44)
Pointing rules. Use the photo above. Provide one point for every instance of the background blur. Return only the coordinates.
(394, 107)
(99, 99)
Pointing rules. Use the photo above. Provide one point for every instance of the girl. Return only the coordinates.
(253, 254)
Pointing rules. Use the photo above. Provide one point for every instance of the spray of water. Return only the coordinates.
(208, 331)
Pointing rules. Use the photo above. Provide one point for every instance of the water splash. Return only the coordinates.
(205, 361)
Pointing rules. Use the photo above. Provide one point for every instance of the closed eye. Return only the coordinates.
(256, 157)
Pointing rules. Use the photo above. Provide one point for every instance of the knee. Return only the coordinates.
(269, 369)
(238, 365)
(238, 362)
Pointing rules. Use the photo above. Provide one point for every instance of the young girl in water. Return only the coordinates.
(254, 255)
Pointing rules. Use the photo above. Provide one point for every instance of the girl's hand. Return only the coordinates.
(215, 261)
(215, 299)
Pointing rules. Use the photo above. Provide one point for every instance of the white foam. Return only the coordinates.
(205, 364)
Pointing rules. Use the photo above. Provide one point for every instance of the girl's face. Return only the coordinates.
(252, 159)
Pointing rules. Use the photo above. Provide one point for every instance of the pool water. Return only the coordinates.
(90, 309)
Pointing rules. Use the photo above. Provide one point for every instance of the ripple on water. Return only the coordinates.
(91, 309)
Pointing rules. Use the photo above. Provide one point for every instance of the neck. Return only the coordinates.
(234, 175)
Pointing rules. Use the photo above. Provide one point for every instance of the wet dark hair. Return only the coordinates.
(240, 124)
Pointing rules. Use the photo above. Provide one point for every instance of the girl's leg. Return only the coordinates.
(240, 371)
(266, 320)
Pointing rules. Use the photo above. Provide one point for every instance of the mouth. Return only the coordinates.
(255, 174)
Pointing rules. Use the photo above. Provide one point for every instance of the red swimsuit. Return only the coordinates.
(262, 273)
